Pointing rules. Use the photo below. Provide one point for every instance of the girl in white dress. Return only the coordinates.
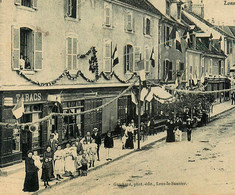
(93, 152)
(37, 162)
(59, 162)
(69, 161)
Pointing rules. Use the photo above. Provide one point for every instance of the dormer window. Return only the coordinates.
(168, 5)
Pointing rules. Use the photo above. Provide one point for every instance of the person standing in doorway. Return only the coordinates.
(96, 136)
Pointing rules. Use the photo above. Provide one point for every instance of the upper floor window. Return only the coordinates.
(168, 5)
(107, 56)
(27, 3)
(71, 53)
(107, 14)
(167, 70)
(72, 8)
(147, 59)
(129, 22)
(167, 35)
(128, 58)
(26, 49)
(229, 47)
(147, 26)
(202, 66)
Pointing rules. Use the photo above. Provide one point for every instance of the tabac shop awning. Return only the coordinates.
(159, 94)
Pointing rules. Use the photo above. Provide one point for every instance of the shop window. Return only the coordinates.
(128, 58)
(26, 49)
(92, 119)
(122, 109)
(71, 51)
(107, 15)
(72, 126)
(107, 56)
(16, 140)
(27, 3)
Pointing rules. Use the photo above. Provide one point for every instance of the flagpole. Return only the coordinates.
(139, 113)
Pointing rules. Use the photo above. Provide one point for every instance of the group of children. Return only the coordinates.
(76, 157)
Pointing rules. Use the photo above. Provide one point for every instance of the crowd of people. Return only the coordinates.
(57, 163)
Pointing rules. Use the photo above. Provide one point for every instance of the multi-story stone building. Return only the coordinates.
(63, 49)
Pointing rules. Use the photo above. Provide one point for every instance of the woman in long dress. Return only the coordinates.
(59, 162)
(31, 176)
(69, 164)
(170, 131)
(129, 132)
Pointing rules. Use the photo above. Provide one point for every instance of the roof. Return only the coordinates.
(232, 29)
(227, 30)
(205, 25)
(142, 4)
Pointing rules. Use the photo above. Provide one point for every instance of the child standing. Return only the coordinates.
(45, 171)
(93, 151)
(108, 143)
(84, 162)
(59, 162)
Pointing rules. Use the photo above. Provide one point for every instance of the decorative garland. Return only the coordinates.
(48, 117)
(79, 73)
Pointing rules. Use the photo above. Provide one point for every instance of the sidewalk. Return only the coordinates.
(12, 178)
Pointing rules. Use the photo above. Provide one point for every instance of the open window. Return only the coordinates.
(26, 49)
(27, 3)
(72, 9)
(128, 58)
(167, 71)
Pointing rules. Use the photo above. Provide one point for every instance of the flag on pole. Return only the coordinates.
(202, 79)
(176, 82)
(133, 98)
(152, 58)
(166, 79)
(18, 109)
(149, 97)
(143, 94)
(115, 56)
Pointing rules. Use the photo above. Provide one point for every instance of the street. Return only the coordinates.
(203, 166)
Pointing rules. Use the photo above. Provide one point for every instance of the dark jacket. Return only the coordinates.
(97, 138)
(108, 142)
(29, 165)
(79, 147)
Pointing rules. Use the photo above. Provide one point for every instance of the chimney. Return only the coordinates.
(210, 42)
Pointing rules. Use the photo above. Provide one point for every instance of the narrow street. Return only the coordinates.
(203, 166)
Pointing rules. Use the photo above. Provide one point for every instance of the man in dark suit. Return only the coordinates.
(53, 143)
(97, 139)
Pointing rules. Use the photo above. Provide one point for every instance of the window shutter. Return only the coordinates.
(15, 48)
(125, 20)
(144, 26)
(125, 59)
(68, 8)
(75, 45)
(164, 70)
(133, 28)
(79, 5)
(164, 34)
(129, 22)
(137, 57)
(151, 27)
(69, 53)
(35, 4)
(107, 56)
(37, 51)
(17, 2)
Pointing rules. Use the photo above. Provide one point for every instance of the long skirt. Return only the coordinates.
(59, 167)
(170, 135)
(69, 164)
(129, 142)
(31, 182)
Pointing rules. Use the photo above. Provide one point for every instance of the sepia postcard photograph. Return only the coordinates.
(124, 97)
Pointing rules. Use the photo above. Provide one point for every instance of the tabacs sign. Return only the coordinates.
(30, 97)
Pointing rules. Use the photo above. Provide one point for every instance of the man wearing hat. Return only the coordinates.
(97, 139)
(52, 142)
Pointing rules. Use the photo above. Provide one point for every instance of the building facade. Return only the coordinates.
(64, 50)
